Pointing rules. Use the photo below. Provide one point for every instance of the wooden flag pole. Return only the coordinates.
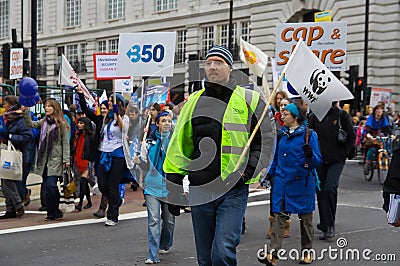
(259, 122)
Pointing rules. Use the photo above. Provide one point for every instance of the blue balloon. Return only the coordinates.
(291, 89)
(29, 101)
(28, 87)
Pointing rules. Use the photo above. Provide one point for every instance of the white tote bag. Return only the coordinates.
(11, 163)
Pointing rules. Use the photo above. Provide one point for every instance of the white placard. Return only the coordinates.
(327, 40)
(16, 63)
(146, 54)
(124, 85)
(105, 66)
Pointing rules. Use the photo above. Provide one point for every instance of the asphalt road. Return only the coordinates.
(361, 230)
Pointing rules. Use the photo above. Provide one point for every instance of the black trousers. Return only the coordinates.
(329, 175)
(108, 185)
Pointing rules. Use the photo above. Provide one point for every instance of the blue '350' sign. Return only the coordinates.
(148, 53)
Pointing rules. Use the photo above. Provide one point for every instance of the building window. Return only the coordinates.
(72, 54)
(223, 35)
(39, 15)
(164, 5)
(180, 46)
(102, 46)
(4, 18)
(116, 9)
(73, 13)
(207, 39)
(41, 61)
(83, 57)
(245, 30)
(113, 46)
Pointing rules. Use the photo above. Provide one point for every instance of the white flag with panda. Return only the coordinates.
(314, 82)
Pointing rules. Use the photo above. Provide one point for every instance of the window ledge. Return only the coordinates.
(111, 20)
(165, 11)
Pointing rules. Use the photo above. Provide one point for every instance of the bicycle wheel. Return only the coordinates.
(368, 175)
(383, 168)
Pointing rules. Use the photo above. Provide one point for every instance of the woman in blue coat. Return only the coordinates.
(19, 135)
(293, 169)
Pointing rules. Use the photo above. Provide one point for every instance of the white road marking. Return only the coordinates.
(136, 215)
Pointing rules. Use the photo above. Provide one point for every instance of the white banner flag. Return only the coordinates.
(253, 57)
(103, 97)
(70, 78)
(313, 80)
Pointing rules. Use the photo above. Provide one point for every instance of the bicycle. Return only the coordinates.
(380, 161)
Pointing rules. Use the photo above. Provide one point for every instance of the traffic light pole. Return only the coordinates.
(366, 54)
(34, 40)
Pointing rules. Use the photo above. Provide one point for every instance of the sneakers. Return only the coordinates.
(110, 223)
(150, 261)
(27, 199)
(20, 212)
(163, 251)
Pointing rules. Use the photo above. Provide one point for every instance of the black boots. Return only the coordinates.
(330, 232)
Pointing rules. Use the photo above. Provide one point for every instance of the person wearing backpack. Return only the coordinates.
(296, 157)
(334, 154)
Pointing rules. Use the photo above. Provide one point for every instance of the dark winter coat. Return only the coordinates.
(21, 136)
(206, 123)
(332, 150)
(392, 182)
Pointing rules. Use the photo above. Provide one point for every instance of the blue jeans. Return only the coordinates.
(52, 195)
(21, 185)
(217, 227)
(160, 236)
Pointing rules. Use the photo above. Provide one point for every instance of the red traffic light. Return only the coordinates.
(359, 82)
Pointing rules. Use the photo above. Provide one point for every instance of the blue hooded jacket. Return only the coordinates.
(154, 182)
(293, 182)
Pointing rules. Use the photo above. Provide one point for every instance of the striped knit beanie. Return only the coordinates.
(221, 51)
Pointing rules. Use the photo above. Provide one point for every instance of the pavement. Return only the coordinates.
(132, 203)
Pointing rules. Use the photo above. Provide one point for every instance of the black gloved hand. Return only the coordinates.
(234, 177)
(175, 210)
(308, 152)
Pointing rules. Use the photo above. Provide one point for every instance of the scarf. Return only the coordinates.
(11, 116)
(80, 163)
(278, 118)
(47, 141)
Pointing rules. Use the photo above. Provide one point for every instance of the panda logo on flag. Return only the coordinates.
(319, 81)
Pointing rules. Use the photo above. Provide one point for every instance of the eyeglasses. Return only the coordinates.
(283, 104)
(216, 63)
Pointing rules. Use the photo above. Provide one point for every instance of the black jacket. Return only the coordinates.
(88, 152)
(97, 119)
(206, 123)
(392, 182)
(21, 136)
(327, 130)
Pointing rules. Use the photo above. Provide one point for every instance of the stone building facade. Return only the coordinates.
(79, 28)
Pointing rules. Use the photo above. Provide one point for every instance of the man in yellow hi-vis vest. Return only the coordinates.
(212, 131)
